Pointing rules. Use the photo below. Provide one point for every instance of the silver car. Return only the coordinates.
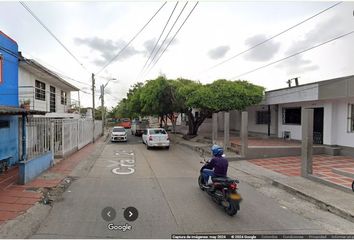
(119, 134)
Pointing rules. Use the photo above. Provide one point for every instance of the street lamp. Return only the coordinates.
(102, 103)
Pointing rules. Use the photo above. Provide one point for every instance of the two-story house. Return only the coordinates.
(44, 90)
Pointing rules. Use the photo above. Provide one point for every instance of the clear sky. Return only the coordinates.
(95, 32)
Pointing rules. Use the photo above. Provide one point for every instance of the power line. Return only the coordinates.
(131, 40)
(58, 73)
(168, 34)
(174, 35)
(163, 30)
(274, 36)
(293, 55)
(52, 34)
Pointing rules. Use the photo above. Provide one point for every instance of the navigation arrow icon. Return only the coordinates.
(108, 214)
(131, 214)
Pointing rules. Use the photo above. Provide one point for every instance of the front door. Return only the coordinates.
(318, 126)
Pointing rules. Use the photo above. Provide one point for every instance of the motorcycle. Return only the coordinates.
(223, 191)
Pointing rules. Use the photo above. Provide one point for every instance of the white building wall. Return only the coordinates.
(253, 127)
(295, 130)
(28, 79)
(340, 123)
(335, 122)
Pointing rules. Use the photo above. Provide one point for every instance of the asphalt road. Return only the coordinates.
(162, 186)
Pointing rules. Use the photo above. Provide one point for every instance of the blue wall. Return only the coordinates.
(9, 97)
(9, 139)
(29, 170)
(9, 85)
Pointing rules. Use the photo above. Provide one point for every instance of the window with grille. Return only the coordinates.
(292, 116)
(40, 90)
(262, 117)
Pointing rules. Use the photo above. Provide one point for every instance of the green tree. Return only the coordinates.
(156, 99)
(221, 95)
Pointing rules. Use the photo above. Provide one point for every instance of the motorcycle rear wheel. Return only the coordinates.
(231, 210)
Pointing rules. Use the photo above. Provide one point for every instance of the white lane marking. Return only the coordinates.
(123, 166)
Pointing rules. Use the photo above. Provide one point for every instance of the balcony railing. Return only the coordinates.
(50, 102)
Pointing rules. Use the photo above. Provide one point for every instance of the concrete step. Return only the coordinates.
(346, 172)
(333, 151)
(331, 184)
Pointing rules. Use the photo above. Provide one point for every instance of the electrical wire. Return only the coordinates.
(293, 55)
(274, 36)
(55, 72)
(162, 32)
(174, 36)
(168, 34)
(52, 34)
(131, 40)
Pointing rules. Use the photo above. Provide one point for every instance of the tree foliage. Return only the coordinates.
(164, 98)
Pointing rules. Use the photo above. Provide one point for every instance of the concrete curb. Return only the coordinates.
(29, 222)
(343, 173)
(322, 205)
(205, 149)
(328, 183)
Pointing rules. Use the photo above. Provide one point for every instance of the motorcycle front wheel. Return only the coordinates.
(201, 182)
(231, 210)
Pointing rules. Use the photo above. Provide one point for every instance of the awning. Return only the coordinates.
(7, 110)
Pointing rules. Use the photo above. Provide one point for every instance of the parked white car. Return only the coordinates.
(119, 134)
(156, 137)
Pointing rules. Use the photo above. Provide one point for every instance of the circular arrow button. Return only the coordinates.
(108, 214)
(131, 214)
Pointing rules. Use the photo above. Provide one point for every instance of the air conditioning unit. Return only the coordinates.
(287, 135)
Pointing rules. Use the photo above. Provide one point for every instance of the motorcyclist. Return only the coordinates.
(217, 167)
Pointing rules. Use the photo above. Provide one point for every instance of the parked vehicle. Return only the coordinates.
(138, 127)
(156, 137)
(223, 191)
(119, 134)
(124, 122)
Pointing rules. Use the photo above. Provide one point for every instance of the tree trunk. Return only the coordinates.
(173, 119)
(194, 123)
(160, 120)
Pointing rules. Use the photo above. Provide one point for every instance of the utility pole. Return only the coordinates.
(93, 107)
(102, 108)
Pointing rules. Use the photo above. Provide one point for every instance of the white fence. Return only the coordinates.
(63, 136)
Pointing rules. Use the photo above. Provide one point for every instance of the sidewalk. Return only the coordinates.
(325, 197)
(16, 199)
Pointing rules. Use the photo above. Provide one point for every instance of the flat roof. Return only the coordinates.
(307, 84)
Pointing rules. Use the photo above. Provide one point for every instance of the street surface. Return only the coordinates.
(162, 185)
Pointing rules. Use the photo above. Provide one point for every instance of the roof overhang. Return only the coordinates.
(39, 70)
(7, 110)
